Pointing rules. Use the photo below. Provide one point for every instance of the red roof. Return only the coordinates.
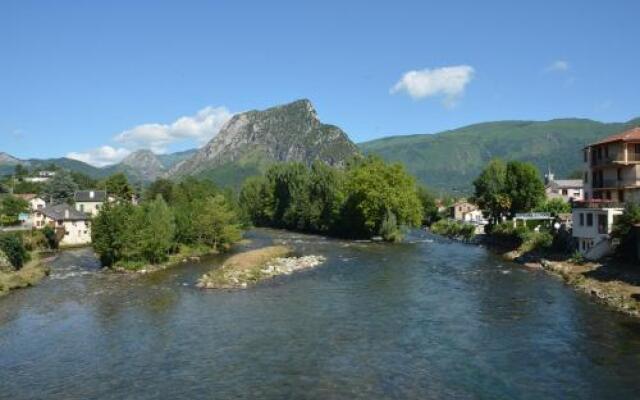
(632, 134)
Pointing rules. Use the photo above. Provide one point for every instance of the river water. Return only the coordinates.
(426, 319)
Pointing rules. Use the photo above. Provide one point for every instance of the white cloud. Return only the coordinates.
(200, 127)
(101, 156)
(558, 66)
(448, 82)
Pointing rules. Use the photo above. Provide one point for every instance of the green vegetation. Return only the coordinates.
(521, 237)
(450, 160)
(509, 188)
(117, 185)
(554, 207)
(453, 229)
(198, 218)
(10, 208)
(12, 245)
(624, 232)
(369, 198)
(60, 188)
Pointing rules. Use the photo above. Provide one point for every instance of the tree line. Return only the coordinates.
(367, 198)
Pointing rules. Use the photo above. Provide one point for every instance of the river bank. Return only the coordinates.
(29, 275)
(611, 283)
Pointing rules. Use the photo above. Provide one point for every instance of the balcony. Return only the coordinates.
(597, 203)
(608, 184)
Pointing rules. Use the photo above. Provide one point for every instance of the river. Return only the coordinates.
(426, 319)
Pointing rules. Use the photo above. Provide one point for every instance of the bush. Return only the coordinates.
(522, 237)
(13, 247)
(454, 229)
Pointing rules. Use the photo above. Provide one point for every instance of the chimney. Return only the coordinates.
(92, 194)
(66, 213)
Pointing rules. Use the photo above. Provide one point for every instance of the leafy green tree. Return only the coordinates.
(554, 206)
(623, 230)
(13, 247)
(84, 181)
(12, 206)
(523, 186)
(429, 207)
(374, 189)
(20, 171)
(257, 200)
(111, 232)
(60, 188)
(51, 237)
(491, 190)
(156, 229)
(216, 225)
(160, 186)
(117, 185)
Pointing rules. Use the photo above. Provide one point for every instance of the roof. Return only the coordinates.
(90, 196)
(64, 212)
(566, 183)
(632, 134)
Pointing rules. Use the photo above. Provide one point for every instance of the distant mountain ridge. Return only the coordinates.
(250, 141)
(451, 160)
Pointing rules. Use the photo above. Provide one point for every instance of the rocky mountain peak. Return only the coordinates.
(145, 163)
(8, 159)
(289, 132)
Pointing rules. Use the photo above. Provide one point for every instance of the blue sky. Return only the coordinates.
(99, 79)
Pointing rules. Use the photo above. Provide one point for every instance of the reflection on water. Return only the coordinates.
(425, 319)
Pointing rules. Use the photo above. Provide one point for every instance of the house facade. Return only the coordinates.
(73, 227)
(611, 178)
(568, 190)
(35, 202)
(90, 201)
(465, 211)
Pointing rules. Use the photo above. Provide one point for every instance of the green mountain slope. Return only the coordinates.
(450, 160)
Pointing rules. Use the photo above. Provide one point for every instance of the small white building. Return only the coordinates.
(35, 202)
(592, 225)
(90, 201)
(566, 189)
(73, 227)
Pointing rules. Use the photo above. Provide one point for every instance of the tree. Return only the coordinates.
(12, 206)
(60, 188)
(156, 229)
(111, 232)
(490, 190)
(373, 190)
(429, 207)
(84, 181)
(554, 206)
(20, 171)
(216, 224)
(160, 186)
(523, 186)
(257, 201)
(117, 185)
(13, 247)
(51, 237)
(624, 232)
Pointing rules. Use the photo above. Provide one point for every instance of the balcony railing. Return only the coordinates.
(596, 203)
(607, 183)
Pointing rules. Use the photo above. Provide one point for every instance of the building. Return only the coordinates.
(40, 177)
(568, 190)
(611, 178)
(90, 201)
(592, 225)
(35, 202)
(612, 168)
(73, 227)
(465, 211)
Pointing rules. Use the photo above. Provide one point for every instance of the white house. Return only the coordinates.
(566, 189)
(42, 176)
(592, 225)
(73, 227)
(90, 201)
(35, 202)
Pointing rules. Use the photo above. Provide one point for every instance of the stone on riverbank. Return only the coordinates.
(248, 268)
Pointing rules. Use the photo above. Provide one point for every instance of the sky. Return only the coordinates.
(97, 80)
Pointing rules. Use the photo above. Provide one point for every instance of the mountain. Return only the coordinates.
(451, 160)
(171, 159)
(140, 166)
(8, 159)
(250, 141)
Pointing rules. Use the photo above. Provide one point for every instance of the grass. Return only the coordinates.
(183, 253)
(242, 269)
(29, 275)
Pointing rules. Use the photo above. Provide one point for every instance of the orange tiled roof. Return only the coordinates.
(632, 134)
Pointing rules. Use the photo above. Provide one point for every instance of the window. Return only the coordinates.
(565, 192)
(602, 224)
(637, 148)
(581, 219)
(586, 177)
(608, 194)
(81, 207)
(590, 219)
(621, 196)
(619, 172)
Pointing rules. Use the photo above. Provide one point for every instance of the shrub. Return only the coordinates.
(454, 229)
(13, 247)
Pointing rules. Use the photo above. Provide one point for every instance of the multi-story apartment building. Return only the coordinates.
(611, 178)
